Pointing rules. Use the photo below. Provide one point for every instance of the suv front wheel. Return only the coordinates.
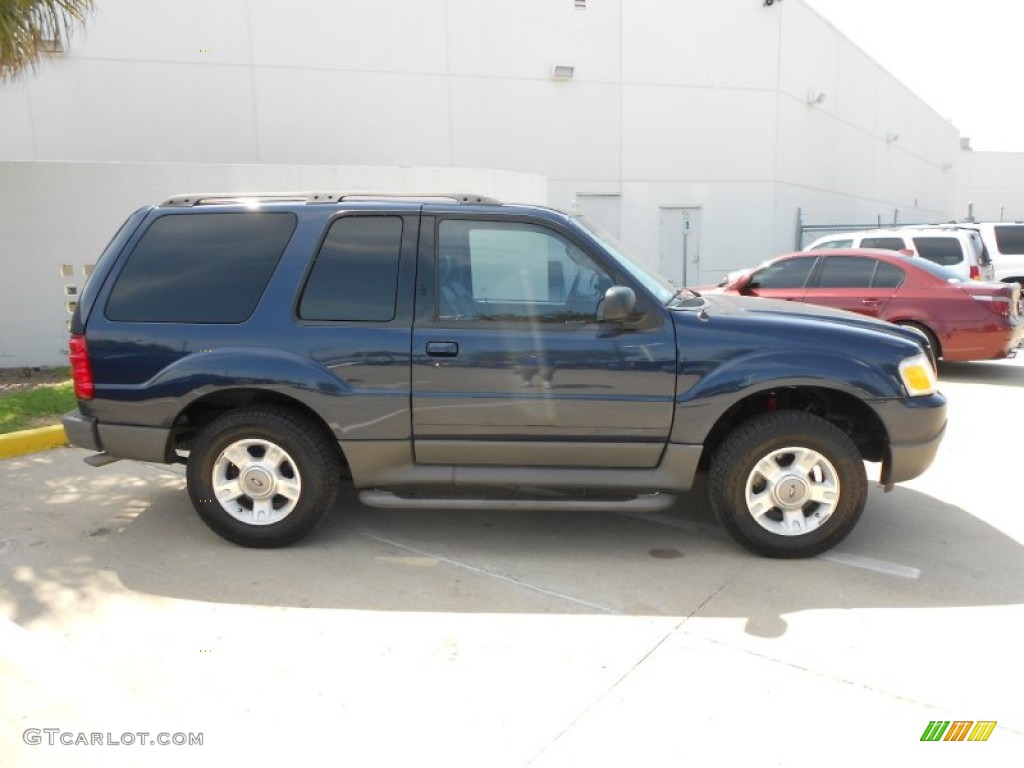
(788, 484)
(262, 477)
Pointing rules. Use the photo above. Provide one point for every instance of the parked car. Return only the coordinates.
(1004, 242)
(958, 249)
(449, 351)
(963, 319)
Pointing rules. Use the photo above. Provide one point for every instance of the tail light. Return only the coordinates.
(998, 304)
(81, 369)
(975, 272)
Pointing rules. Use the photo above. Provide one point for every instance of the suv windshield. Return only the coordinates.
(661, 288)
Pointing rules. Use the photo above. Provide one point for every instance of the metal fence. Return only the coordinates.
(806, 232)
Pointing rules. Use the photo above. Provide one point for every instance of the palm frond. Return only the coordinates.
(26, 24)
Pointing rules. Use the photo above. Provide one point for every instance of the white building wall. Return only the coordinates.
(991, 186)
(674, 103)
(871, 147)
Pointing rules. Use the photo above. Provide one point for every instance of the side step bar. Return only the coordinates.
(647, 502)
(100, 459)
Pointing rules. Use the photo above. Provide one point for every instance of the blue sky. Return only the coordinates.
(965, 58)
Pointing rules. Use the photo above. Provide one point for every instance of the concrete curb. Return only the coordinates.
(31, 441)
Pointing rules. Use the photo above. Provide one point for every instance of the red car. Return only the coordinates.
(964, 320)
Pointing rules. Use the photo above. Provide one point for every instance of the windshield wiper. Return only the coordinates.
(686, 297)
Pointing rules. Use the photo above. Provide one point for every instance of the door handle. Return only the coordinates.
(869, 302)
(442, 349)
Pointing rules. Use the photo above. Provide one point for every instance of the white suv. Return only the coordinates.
(952, 246)
(1005, 244)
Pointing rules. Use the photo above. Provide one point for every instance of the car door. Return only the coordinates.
(782, 279)
(511, 366)
(855, 283)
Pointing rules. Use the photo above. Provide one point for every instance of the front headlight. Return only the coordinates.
(918, 375)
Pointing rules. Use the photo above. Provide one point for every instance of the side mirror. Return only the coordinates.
(617, 305)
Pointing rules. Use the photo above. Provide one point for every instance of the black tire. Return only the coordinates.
(276, 471)
(832, 483)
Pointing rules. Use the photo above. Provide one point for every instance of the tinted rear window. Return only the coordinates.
(355, 276)
(944, 251)
(943, 273)
(978, 246)
(846, 272)
(1010, 239)
(887, 276)
(200, 268)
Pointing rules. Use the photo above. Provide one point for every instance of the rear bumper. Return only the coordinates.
(81, 430)
(987, 345)
(120, 440)
(916, 427)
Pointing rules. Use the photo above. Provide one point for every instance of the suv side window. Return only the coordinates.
(355, 274)
(200, 268)
(945, 251)
(844, 243)
(885, 243)
(509, 271)
(1010, 239)
(791, 273)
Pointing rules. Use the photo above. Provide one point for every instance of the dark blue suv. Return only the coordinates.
(454, 350)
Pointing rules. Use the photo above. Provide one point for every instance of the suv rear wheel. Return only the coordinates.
(788, 484)
(262, 477)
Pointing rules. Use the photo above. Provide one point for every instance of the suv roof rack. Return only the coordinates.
(232, 198)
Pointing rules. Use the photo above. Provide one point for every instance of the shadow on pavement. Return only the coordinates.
(1007, 373)
(78, 539)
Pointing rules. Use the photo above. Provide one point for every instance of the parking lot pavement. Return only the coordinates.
(515, 639)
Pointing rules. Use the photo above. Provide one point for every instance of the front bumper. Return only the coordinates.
(915, 427)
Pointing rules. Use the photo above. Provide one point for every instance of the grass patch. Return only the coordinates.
(37, 407)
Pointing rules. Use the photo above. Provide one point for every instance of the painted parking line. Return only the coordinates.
(870, 564)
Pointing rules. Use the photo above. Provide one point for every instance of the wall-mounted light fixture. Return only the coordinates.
(816, 97)
(891, 137)
(562, 72)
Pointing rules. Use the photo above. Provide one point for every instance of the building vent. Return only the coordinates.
(965, 144)
(581, 5)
